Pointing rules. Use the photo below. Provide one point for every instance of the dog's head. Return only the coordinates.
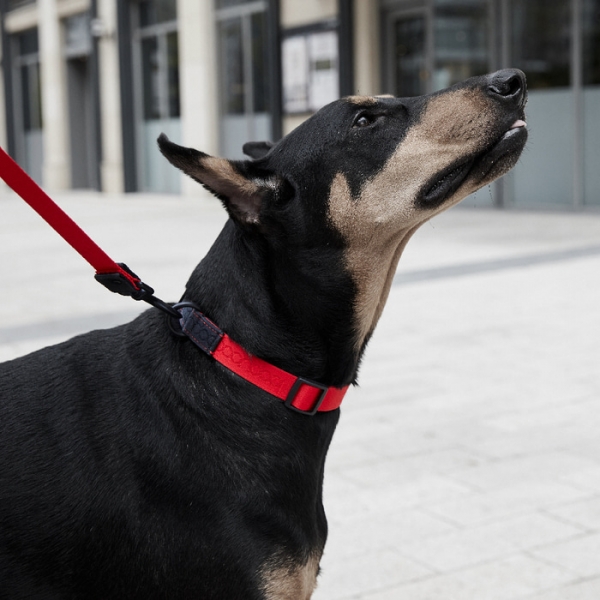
(366, 171)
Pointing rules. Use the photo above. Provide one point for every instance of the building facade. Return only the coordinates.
(88, 85)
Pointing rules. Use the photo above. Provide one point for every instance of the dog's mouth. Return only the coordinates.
(485, 167)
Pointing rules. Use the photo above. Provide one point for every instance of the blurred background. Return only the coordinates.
(87, 85)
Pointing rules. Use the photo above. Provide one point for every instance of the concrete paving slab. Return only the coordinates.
(584, 590)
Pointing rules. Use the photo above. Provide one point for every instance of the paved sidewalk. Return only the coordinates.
(467, 464)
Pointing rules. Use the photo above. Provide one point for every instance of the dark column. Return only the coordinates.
(127, 98)
(8, 83)
(346, 41)
(95, 104)
(275, 77)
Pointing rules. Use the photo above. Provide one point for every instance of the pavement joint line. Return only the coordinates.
(489, 266)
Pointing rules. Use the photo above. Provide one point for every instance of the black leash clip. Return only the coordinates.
(119, 284)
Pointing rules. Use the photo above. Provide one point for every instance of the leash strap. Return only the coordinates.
(117, 277)
(299, 394)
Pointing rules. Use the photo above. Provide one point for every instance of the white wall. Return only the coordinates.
(198, 81)
(56, 174)
(367, 36)
(111, 166)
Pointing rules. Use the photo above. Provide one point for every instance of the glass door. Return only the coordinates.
(407, 44)
(28, 104)
(244, 83)
(462, 40)
(157, 83)
(82, 127)
(590, 24)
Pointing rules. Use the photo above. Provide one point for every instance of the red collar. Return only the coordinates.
(300, 394)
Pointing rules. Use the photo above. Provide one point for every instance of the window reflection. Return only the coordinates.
(541, 41)
(461, 33)
(245, 85)
(409, 47)
(150, 72)
(227, 3)
(173, 73)
(590, 25)
(259, 62)
(160, 60)
(157, 11)
(31, 92)
(232, 62)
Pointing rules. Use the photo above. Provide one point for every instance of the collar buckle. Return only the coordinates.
(293, 394)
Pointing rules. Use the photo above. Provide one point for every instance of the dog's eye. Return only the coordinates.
(363, 120)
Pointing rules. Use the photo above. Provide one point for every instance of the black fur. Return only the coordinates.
(257, 149)
(134, 466)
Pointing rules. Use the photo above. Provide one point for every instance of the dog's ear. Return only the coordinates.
(241, 191)
(257, 150)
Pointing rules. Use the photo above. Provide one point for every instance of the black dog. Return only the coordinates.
(136, 466)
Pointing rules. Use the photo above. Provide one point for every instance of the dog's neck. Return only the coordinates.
(298, 317)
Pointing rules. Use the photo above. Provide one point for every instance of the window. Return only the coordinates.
(541, 41)
(409, 34)
(244, 83)
(12, 4)
(228, 3)
(153, 12)
(160, 59)
(156, 85)
(31, 92)
(27, 102)
(243, 60)
(461, 34)
(590, 24)
(232, 58)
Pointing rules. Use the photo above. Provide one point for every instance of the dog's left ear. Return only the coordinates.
(257, 150)
(233, 182)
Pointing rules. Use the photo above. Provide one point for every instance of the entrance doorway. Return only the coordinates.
(29, 139)
(156, 87)
(407, 41)
(83, 159)
(243, 61)
(82, 127)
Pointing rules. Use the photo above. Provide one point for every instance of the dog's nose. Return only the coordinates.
(508, 86)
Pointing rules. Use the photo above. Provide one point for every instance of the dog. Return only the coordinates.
(134, 464)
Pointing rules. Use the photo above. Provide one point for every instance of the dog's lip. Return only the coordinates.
(511, 143)
(447, 183)
(478, 166)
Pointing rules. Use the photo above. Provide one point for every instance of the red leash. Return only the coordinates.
(115, 276)
(299, 394)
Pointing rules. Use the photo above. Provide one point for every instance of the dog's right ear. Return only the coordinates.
(257, 150)
(240, 191)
